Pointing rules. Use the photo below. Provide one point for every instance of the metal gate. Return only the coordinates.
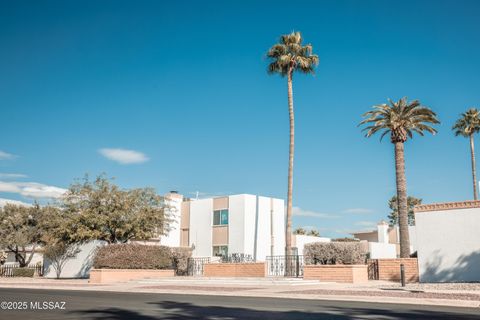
(372, 269)
(195, 266)
(285, 266)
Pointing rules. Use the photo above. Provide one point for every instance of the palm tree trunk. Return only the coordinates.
(474, 170)
(402, 200)
(288, 229)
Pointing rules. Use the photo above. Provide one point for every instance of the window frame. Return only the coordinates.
(221, 213)
(219, 250)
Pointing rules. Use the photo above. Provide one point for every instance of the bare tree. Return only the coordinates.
(59, 253)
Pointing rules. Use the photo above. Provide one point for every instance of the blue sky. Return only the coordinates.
(184, 84)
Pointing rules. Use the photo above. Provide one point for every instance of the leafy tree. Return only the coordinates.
(59, 253)
(289, 56)
(3, 257)
(467, 126)
(302, 231)
(400, 119)
(21, 231)
(299, 230)
(411, 203)
(100, 210)
(60, 244)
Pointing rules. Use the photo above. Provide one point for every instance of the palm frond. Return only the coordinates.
(290, 55)
(401, 119)
(468, 123)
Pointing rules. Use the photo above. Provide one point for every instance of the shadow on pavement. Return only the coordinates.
(181, 310)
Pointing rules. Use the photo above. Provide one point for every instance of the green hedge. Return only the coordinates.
(137, 256)
(23, 272)
(334, 253)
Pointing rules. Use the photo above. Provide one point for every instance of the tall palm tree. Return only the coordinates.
(287, 57)
(400, 119)
(467, 126)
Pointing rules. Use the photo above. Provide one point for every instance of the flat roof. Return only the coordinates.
(358, 232)
(441, 206)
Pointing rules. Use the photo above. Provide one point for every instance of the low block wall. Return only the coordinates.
(389, 269)
(123, 275)
(355, 273)
(234, 270)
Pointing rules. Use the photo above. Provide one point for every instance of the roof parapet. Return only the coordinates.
(441, 206)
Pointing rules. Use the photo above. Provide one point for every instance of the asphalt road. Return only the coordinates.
(58, 304)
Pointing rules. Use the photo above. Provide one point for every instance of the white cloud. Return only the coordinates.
(11, 187)
(32, 189)
(6, 156)
(124, 156)
(3, 202)
(307, 213)
(358, 211)
(38, 190)
(12, 175)
(308, 228)
(366, 223)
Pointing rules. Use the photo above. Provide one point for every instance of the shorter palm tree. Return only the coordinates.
(467, 126)
(400, 119)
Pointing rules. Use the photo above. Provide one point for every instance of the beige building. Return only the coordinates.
(384, 241)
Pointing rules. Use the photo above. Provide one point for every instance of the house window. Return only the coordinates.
(219, 251)
(220, 217)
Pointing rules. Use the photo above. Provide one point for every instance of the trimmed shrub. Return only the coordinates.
(334, 253)
(133, 256)
(23, 272)
(180, 260)
(345, 240)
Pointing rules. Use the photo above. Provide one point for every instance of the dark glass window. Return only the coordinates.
(219, 251)
(220, 217)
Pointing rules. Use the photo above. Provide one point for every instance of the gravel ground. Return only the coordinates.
(399, 294)
(437, 286)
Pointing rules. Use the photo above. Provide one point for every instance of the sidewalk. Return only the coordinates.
(466, 295)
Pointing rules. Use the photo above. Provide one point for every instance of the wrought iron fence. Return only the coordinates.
(195, 266)
(238, 258)
(372, 269)
(8, 270)
(285, 266)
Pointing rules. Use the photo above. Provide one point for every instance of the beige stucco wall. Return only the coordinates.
(392, 235)
(184, 238)
(370, 236)
(220, 203)
(220, 235)
(185, 219)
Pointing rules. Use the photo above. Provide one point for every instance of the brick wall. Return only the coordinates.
(389, 269)
(336, 273)
(124, 275)
(234, 270)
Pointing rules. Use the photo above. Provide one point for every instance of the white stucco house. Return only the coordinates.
(383, 242)
(236, 224)
(300, 240)
(448, 240)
